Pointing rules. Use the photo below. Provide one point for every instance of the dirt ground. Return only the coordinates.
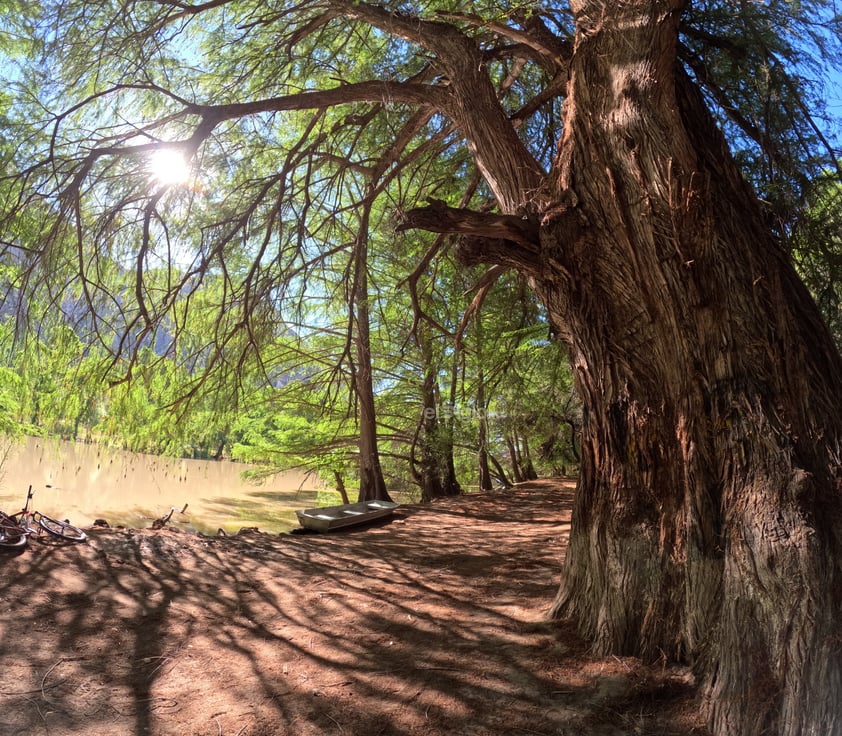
(432, 623)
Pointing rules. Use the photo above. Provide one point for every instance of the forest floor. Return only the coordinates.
(432, 623)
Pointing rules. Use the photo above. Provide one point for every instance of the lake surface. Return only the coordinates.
(94, 482)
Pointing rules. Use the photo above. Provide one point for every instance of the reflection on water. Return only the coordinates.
(94, 482)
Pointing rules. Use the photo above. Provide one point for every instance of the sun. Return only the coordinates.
(169, 167)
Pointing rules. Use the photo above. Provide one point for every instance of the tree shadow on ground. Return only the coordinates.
(432, 624)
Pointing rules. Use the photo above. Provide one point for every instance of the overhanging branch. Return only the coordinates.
(486, 238)
(437, 217)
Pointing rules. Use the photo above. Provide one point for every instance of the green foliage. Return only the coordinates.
(764, 67)
(284, 440)
(10, 393)
(817, 249)
(223, 315)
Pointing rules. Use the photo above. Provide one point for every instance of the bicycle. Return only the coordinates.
(11, 535)
(16, 528)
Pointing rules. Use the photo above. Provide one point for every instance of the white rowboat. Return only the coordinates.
(329, 518)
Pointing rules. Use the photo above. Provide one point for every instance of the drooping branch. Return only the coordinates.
(456, 84)
(211, 116)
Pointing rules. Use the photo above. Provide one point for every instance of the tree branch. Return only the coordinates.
(375, 91)
(545, 46)
(437, 217)
(471, 101)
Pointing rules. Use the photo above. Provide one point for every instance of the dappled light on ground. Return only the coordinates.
(432, 623)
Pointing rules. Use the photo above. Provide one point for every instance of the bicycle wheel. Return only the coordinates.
(62, 529)
(11, 535)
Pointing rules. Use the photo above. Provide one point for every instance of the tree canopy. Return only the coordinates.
(292, 119)
(292, 116)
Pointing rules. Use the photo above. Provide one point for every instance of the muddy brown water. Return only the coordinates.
(89, 482)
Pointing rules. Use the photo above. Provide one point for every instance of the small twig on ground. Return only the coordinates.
(621, 662)
(40, 714)
(43, 686)
(163, 659)
(338, 725)
(47, 674)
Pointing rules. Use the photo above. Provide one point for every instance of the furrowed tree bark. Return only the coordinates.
(708, 523)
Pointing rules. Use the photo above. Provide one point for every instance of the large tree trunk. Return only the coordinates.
(708, 518)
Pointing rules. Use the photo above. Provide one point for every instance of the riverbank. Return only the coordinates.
(430, 624)
(88, 482)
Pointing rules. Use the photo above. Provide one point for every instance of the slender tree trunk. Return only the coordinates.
(528, 468)
(500, 472)
(447, 428)
(450, 483)
(574, 436)
(437, 475)
(485, 483)
(340, 486)
(514, 458)
(372, 484)
(430, 478)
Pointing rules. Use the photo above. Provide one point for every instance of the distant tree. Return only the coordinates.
(283, 440)
(10, 425)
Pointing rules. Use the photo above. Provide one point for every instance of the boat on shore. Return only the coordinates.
(328, 518)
